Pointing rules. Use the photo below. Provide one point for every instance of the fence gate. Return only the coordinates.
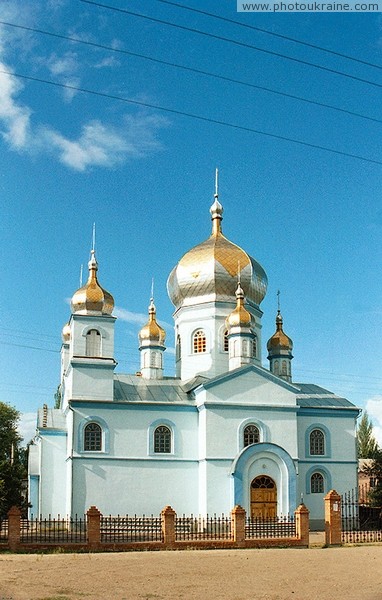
(361, 520)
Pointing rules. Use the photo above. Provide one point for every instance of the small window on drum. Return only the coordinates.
(93, 343)
(178, 347)
(225, 341)
(254, 347)
(199, 342)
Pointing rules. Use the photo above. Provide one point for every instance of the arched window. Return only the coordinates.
(225, 341)
(317, 483)
(162, 440)
(317, 442)
(284, 367)
(254, 347)
(178, 347)
(92, 437)
(199, 342)
(276, 367)
(251, 435)
(93, 343)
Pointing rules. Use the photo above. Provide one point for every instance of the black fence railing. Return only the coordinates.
(276, 527)
(125, 529)
(3, 531)
(203, 528)
(361, 520)
(54, 530)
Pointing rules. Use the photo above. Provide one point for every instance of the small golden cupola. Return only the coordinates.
(239, 317)
(152, 333)
(92, 299)
(65, 335)
(151, 346)
(280, 348)
(241, 338)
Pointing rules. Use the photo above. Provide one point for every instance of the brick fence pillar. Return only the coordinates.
(333, 525)
(168, 515)
(238, 524)
(94, 527)
(14, 528)
(301, 515)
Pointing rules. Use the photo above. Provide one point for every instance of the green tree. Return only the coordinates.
(12, 464)
(366, 442)
(57, 397)
(375, 471)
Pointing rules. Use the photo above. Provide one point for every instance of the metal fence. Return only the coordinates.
(3, 531)
(124, 529)
(361, 521)
(276, 527)
(203, 528)
(54, 530)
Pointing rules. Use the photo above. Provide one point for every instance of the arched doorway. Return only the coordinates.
(263, 497)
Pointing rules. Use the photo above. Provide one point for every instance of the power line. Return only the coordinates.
(192, 70)
(232, 41)
(194, 116)
(31, 347)
(267, 32)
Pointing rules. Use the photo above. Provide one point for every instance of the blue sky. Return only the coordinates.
(311, 217)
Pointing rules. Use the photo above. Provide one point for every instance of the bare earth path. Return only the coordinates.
(317, 574)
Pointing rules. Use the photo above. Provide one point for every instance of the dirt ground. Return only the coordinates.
(274, 574)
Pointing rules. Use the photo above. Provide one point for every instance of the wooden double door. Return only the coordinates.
(263, 497)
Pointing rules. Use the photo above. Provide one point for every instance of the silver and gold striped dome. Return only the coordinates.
(209, 271)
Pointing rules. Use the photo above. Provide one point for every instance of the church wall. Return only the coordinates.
(130, 428)
(135, 486)
(338, 465)
(339, 431)
(249, 388)
(53, 482)
(225, 424)
(91, 381)
(215, 487)
(81, 324)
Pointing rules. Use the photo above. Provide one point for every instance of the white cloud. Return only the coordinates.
(27, 426)
(374, 409)
(98, 144)
(14, 117)
(138, 318)
(109, 61)
(131, 317)
(63, 65)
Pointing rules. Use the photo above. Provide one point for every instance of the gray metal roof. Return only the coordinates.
(312, 396)
(132, 388)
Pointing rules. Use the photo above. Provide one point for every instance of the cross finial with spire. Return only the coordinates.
(278, 300)
(93, 237)
(216, 183)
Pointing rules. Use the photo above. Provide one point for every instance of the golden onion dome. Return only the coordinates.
(92, 298)
(279, 340)
(209, 271)
(152, 332)
(65, 335)
(239, 317)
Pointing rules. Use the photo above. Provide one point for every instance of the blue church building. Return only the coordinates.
(224, 431)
